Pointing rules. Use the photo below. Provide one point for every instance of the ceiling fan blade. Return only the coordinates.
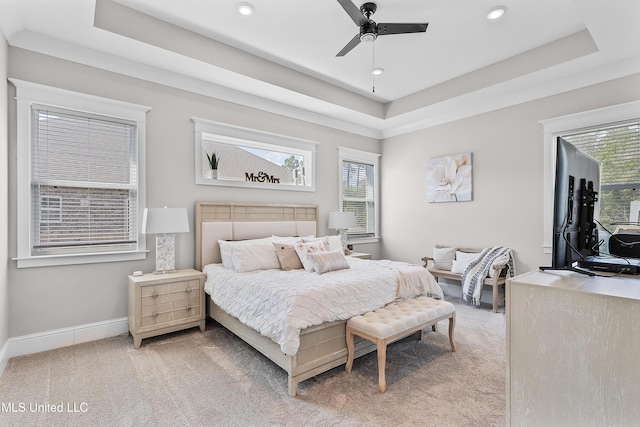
(352, 43)
(385, 29)
(353, 12)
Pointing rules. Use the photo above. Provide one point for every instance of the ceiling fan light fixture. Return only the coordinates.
(378, 71)
(496, 13)
(245, 9)
(368, 37)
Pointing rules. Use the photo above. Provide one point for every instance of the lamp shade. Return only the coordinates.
(165, 220)
(341, 220)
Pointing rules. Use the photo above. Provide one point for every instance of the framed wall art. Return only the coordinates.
(449, 178)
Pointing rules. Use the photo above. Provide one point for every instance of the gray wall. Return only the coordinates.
(47, 298)
(507, 147)
(4, 286)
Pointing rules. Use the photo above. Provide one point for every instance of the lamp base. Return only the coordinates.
(165, 253)
(343, 239)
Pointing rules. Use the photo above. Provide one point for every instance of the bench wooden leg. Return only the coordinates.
(452, 325)
(495, 298)
(350, 350)
(382, 360)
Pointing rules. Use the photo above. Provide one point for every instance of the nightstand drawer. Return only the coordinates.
(164, 312)
(156, 314)
(160, 294)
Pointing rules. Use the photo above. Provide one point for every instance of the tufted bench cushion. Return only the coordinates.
(396, 321)
(388, 321)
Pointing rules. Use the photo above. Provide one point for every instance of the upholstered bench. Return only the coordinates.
(396, 321)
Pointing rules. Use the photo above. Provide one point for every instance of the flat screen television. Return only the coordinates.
(577, 184)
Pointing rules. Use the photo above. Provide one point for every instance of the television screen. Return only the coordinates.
(577, 184)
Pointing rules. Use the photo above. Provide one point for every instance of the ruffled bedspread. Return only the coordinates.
(279, 304)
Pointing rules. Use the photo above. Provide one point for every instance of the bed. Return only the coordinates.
(307, 349)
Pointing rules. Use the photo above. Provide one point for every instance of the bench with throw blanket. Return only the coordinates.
(473, 267)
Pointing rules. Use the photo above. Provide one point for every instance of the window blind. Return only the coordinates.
(358, 196)
(617, 147)
(83, 182)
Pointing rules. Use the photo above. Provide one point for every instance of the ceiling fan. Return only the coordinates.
(369, 29)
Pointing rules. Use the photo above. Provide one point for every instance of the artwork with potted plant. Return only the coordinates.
(214, 160)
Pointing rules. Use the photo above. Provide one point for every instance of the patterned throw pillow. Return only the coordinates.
(303, 249)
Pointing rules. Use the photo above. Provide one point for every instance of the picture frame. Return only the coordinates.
(449, 178)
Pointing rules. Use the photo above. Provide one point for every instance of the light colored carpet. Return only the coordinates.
(193, 379)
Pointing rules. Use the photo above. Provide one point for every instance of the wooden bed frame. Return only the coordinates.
(322, 347)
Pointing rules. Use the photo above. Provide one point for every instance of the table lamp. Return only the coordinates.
(341, 221)
(164, 223)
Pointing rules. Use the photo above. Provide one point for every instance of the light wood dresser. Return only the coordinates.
(573, 350)
(163, 303)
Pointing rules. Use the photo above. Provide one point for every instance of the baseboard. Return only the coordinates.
(49, 340)
(4, 356)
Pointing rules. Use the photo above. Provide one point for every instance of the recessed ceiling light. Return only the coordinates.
(245, 8)
(377, 71)
(496, 13)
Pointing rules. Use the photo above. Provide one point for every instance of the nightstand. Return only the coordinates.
(163, 303)
(360, 255)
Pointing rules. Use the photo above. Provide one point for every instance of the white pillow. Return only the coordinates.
(302, 249)
(256, 256)
(288, 240)
(462, 261)
(227, 247)
(458, 266)
(504, 259)
(324, 262)
(333, 243)
(443, 258)
(466, 256)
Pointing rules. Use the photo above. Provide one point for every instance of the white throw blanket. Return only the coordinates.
(478, 269)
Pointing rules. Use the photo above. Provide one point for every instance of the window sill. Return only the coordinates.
(362, 240)
(91, 258)
(245, 184)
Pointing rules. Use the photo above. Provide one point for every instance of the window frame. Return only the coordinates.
(365, 157)
(557, 126)
(234, 135)
(29, 94)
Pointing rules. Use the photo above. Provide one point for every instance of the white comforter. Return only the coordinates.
(279, 304)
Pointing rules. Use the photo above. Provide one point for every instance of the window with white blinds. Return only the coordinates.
(81, 186)
(617, 147)
(359, 191)
(84, 182)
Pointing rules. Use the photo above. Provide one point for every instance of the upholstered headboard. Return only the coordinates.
(240, 221)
